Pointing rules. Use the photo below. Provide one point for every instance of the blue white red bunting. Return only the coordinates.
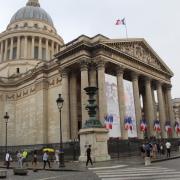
(143, 125)
(157, 127)
(128, 123)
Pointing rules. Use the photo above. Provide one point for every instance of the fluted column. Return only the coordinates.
(40, 48)
(73, 106)
(162, 116)
(1, 51)
(5, 50)
(57, 48)
(170, 108)
(18, 47)
(11, 49)
(149, 105)
(84, 84)
(52, 48)
(137, 103)
(25, 47)
(120, 89)
(101, 91)
(32, 47)
(47, 49)
(92, 75)
(65, 109)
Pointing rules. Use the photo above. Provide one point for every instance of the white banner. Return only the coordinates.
(130, 108)
(112, 119)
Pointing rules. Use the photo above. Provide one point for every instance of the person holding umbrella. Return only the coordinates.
(46, 159)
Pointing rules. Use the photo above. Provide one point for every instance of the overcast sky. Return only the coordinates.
(158, 21)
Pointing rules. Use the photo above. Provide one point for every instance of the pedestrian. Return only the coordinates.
(142, 148)
(168, 148)
(8, 159)
(46, 159)
(24, 157)
(34, 160)
(161, 149)
(57, 156)
(19, 159)
(88, 153)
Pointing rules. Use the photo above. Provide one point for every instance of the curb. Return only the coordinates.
(165, 159)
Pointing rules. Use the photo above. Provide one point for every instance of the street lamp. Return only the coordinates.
(59, 102)
(6, 118)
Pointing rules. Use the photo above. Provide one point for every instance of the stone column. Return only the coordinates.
(84, 84)
(120, 89)
(11, 49)
(18, 47)
(101, 91)
(162, 116)
(47, 49)
(137, 103)
(65, 109)
(52, 48)
(57, 48)
(149, 105)
(92, 75)
(32, 47)
(25, 47)
(73, 106)
(1, 51)
(170, 109)
(40, 48)
(5, 50)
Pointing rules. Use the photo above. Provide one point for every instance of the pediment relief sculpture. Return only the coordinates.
(140, 51)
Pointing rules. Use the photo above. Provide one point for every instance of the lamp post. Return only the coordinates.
(6, 118)
(59, 102)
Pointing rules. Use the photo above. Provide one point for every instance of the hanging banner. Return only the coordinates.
(129, 108)
(112, 119)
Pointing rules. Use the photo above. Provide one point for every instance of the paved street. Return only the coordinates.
(165, 170)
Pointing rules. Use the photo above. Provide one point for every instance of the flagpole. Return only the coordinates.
(126, 32)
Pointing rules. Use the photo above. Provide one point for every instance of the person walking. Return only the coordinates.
(168, 148)
(8, 159)
(57, 157)
(34, 160)
(46, 159)
(88, 153)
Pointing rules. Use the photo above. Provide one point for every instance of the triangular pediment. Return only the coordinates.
(141, 50)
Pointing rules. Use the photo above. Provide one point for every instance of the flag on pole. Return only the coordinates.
(120, 22)
(128, 123)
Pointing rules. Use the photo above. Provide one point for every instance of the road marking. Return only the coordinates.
(108, 167)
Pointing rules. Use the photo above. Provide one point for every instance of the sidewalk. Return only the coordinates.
(80, 166)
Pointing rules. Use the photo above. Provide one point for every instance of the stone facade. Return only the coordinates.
(36, 65)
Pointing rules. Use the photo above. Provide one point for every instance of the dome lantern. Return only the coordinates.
(34, 3)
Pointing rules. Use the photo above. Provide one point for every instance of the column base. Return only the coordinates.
(97, 138)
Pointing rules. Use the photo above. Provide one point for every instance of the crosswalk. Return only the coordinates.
(123, 172)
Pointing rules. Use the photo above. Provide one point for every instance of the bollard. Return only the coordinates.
(147, 161)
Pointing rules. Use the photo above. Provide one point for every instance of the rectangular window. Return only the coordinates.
(43, 53)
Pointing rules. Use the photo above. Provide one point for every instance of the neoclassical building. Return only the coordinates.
(36, 65)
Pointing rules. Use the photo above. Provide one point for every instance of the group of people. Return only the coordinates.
(152, 149)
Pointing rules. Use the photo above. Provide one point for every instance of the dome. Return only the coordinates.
(32, 11)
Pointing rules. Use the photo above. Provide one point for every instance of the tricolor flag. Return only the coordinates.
(157, 127)
(168, 127)
(177, 127)
(128, 123)
(120, 22)
(108, 121)
(143, 125)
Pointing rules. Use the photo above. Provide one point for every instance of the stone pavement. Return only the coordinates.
(80, 166)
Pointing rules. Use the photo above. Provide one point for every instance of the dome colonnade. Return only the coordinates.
(30, 35)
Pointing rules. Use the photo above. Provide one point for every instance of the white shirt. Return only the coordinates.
(7, 156)
(168, 145)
